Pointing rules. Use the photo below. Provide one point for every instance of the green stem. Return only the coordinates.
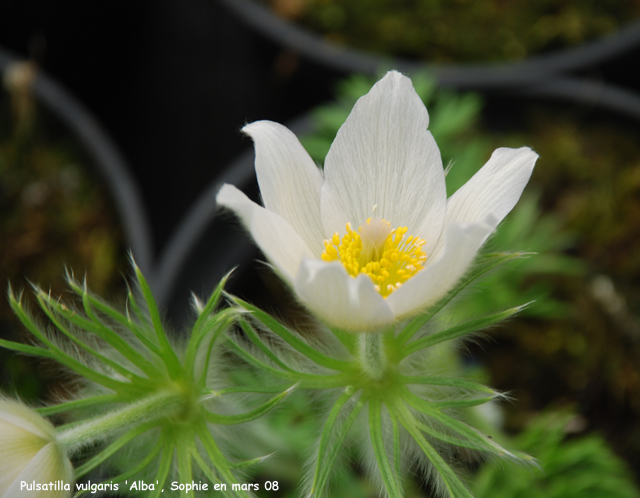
(372, 356)
(147, 410)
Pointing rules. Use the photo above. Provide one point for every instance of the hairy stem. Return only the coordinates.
(372, 356)
(148, 409)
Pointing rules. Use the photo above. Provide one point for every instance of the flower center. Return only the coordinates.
(378, 251)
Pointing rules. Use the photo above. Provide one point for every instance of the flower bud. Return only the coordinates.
(32, 463)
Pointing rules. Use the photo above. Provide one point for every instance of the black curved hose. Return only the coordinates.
(480, 76)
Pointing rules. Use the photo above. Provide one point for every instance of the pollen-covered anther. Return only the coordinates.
(379, 251)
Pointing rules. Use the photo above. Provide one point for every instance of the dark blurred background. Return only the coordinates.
(172, 82)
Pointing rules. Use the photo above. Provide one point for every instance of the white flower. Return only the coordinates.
(28, 453)
(373, 238)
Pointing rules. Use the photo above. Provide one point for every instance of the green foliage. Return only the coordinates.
(569, 467)
(143, 392)
(382, 381)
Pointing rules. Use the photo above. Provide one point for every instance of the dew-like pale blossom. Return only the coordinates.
(31, 462)
(372, 238)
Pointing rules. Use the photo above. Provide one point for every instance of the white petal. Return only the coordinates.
(495, 189)
(17, 449)
(384, 156)
(289, 180)
(339, 299)
(48, 465)
(19, 415)
(23, 433)
(276, 238)
(461, 243)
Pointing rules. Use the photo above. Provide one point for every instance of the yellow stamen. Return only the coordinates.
(378, 251)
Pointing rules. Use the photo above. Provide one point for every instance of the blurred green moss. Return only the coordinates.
(54, 213)
(570, 467)
(459, 30)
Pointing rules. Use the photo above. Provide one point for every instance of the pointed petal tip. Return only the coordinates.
(289, 179)
(495, 188)
(255, 127)
(229, 196)
(395, 80)
(508, 157)
(249, 126)
(394, 74)
(280, 243)
(262, 127)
